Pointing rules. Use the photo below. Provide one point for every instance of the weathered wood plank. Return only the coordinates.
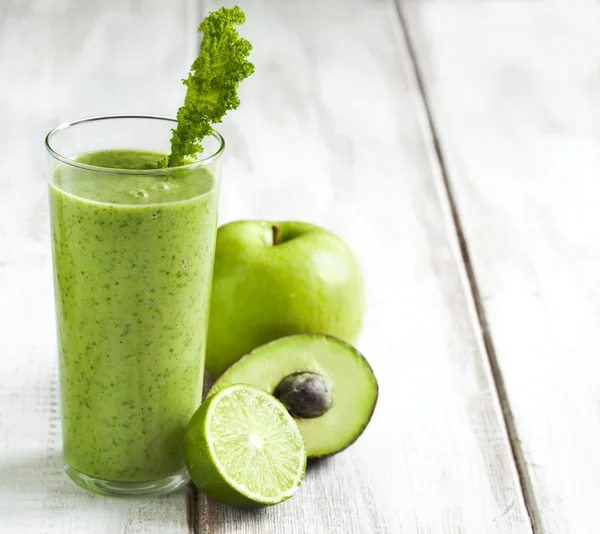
(60, 60)
(332, 130)
(513, 88)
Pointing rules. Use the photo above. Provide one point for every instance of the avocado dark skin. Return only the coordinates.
(305, 394)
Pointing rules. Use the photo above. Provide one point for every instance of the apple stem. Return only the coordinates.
(276, 230)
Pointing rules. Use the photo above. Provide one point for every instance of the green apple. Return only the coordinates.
(274, 279)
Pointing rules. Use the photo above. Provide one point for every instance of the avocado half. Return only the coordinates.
(326, 384)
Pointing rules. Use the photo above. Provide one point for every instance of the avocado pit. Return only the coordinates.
(305, 394)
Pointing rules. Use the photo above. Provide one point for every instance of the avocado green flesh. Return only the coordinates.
(354, 385)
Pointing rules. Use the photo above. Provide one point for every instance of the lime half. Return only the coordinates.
(244, 449)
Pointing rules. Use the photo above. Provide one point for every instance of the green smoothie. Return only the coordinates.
(133, 257)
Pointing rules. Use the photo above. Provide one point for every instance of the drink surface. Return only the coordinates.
(133, 257)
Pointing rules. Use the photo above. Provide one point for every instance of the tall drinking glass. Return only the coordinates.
(133, 249)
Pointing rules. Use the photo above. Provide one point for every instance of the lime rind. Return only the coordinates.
(250, 445)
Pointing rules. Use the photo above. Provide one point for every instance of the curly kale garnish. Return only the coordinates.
(212, 82)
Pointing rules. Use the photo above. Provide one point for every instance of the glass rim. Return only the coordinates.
(109, 170)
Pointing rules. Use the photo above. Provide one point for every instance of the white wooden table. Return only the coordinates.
(454, 145)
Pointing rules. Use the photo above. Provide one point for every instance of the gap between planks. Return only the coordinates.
(195, 10)
(193, 518)
(475, 294)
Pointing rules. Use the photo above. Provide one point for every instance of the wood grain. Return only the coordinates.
(513, 90)
(60, 60)
(332, 130)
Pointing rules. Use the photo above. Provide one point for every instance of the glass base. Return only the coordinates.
(128, 489)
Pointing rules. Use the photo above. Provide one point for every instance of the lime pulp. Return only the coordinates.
(244, 449)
